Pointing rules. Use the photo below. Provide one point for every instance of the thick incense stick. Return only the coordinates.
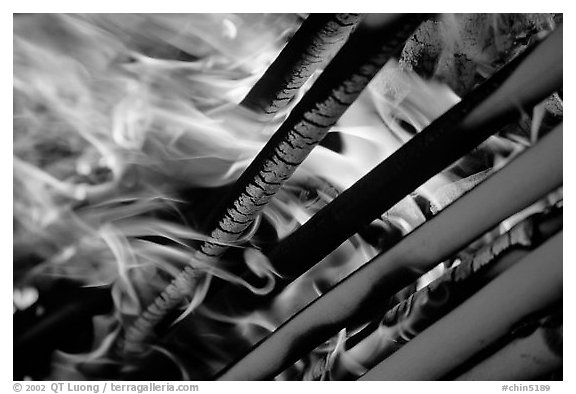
(313, 45)
(532, 285)
(530, 176)
(429, 152)
(368, 49)
(520, 84)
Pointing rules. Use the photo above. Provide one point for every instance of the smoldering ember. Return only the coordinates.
(287, 197)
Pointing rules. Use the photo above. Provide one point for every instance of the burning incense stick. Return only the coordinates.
(529, 177)
(128, 133)
(480, 114)
(342, 81)
(313, 45)
(439, 145)
(529, 286)
(367, 50)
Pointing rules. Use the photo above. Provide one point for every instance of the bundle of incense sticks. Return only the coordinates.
(421, 309)
(535, 283)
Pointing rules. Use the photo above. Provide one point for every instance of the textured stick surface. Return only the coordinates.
(520, 84)
(339, 85)
(530, 286)
(313, 45)
(342, 81)
(142, 329)
(529, 177)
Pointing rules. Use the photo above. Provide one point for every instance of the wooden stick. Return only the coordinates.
(532, 285)
(530, 176)
(527, 358)
(315, 43)
(448, 138)
(375, 41)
